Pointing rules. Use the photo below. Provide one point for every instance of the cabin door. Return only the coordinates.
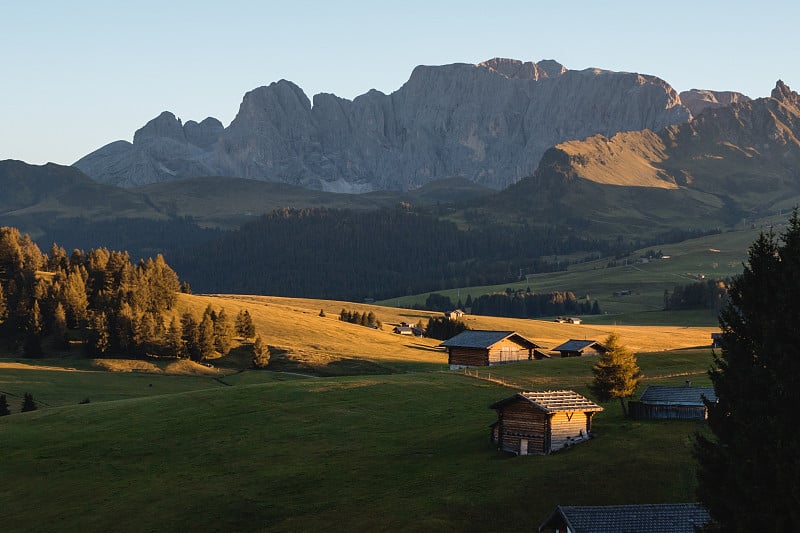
(523, 446)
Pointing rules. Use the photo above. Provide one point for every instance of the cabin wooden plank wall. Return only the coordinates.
(523, 421)
(468, 356)
(507, 351)
(641, 410)
(569, 428)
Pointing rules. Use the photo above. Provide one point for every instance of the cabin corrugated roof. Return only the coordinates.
(654, 518)
(475, 338)
(575, 345)
(554, 401)
(664, 395)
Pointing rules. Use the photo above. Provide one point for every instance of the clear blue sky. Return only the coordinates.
(76, 75)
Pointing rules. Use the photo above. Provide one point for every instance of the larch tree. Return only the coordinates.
(261, 353)
(749, 471)
(616, 373)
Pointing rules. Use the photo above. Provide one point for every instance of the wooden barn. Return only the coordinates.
(484, 348)
(661, 402)
(577, 348)
(671, 517)
(538, 423)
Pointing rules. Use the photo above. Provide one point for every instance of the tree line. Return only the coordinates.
(706, 294)
(102, 301)
(345, 254)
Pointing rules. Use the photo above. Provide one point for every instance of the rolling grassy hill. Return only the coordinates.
(713, 256)
(402, 452)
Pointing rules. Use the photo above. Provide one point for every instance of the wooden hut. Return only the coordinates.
(484, 348)
(538, 423)
(577, 348)
(672, 517)
(658, 401)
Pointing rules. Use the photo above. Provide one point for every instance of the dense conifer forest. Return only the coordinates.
(101, 302)
(342, 254)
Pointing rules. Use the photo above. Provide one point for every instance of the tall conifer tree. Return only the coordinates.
(749, 471)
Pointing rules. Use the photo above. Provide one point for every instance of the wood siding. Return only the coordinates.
(521, 420)
(508, 351)
(641, 410)
(468, 356)
(567, 429)
(544, 432)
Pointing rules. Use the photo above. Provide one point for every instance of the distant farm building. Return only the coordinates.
(715, 338)
(666, 517)
(672, 402)
(577, 348)
(455, 314)
(484, 348)
(406, 329)
(538, 423)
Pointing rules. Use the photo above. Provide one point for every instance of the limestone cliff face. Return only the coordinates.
(697, 100)
(489, 122)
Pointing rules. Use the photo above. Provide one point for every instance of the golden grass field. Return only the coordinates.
(294, 325)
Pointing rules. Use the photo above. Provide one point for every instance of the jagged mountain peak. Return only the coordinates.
(528, 70)
(489, 122)
(785, 94)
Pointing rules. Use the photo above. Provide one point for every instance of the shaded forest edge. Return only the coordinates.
(101, 302)
(354, 255)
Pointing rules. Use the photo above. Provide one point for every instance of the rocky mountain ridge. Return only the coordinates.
(730, 163)
(489, 123)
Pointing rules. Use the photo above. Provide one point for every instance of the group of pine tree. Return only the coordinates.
(102, 301)
(518, 304)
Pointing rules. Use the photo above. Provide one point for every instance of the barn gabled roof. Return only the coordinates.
(663, 395)
(554, 401)
(574, 345)
(476, 338)
(656, 518)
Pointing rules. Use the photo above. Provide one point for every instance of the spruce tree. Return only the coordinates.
(749, 472)
(4, 410)
(616, 373)
(223, 333)
(3, 304)
(28, 403)
(205, 337)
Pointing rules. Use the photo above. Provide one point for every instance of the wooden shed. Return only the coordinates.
(484, 348)
(659, 402)
(667, 517)
(538, 423)
(577, 348)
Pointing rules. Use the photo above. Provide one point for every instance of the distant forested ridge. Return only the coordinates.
(343, 254)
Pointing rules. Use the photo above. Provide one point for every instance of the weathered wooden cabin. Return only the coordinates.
(538, 423)
(484, 348)
(577, 348)
(671, 517)
(658, 401)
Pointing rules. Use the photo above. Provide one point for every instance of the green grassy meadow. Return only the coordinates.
(712, 256)
(272, 452)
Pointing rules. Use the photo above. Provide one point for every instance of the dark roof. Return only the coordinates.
(662, 395)
(652, 518)
(475, 338)
(553, 401)
(574, 345)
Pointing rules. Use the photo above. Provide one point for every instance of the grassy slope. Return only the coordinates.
(404, 451)
(357, 453)
(714, 256)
